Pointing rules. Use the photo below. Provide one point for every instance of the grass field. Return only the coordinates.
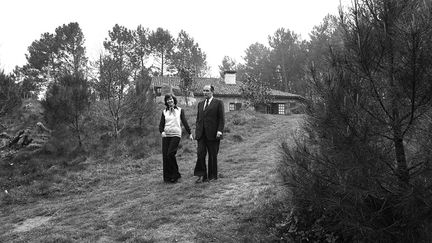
(127, 200)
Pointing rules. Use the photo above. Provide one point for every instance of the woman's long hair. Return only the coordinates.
(167, 96)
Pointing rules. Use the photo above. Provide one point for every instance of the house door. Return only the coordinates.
(276, 108)
(272, 108)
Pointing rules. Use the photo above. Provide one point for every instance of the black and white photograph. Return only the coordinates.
(299, 121)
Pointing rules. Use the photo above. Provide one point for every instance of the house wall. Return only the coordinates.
(228, 100)
(291, 105)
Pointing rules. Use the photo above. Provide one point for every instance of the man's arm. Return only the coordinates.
(221, 117)
(198, 112)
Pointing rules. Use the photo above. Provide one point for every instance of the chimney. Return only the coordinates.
(230, 77)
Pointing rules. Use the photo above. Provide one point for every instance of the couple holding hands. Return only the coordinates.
(210, 123)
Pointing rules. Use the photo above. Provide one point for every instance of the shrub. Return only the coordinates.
(139, 149)
(344, 192)
(362, 173)
(9, 94)
(237, 138)
(238, 120)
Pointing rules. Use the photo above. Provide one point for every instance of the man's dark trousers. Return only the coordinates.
(212, 147)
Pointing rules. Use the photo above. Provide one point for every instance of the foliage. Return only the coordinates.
(141, 46)
(162, 45)
(9, 94)
(54, 56)
(42, 52)
(188, 55)
(141, 104)
(258, 63)
(66, 102)
(124, 82)
(360, 174)
(39, 65)
(71, 58)
(288, 58)
(280, 66)
(389, 58)
(116, 69)
(186, 82)
(112, 87)
(325, 37)
(255, 91)
(228, 64)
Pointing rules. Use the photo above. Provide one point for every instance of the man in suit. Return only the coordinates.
(210, 123)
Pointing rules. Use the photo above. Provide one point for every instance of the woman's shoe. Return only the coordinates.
(199, 180)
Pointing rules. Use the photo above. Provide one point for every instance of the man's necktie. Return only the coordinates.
(206, 104)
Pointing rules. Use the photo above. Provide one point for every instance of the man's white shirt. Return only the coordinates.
(208, 103)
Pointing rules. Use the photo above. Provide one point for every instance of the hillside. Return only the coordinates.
(127, 200)
(26, 120)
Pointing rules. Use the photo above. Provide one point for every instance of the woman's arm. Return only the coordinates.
(162, 123)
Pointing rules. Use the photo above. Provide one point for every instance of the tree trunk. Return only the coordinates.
(285, 76)
(77, 131)
(117, 127)
(162, 64)
(185, 95)
(401, 163)
(79, 141)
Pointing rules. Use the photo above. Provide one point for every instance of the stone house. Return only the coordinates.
(228, 90)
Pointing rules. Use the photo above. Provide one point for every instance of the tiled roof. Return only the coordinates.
(221, 88)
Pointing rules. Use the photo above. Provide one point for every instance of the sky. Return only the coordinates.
(220, 27)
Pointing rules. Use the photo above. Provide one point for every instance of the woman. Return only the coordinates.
(170, 129)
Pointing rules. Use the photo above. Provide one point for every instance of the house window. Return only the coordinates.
(281, 109)
(238, 106)
(234, 106)
(158, 91)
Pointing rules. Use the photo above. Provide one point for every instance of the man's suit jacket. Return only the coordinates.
(211, 119)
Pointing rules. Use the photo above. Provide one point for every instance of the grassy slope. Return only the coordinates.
(128, 201)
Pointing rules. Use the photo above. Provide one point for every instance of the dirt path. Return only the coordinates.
(139, 207)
